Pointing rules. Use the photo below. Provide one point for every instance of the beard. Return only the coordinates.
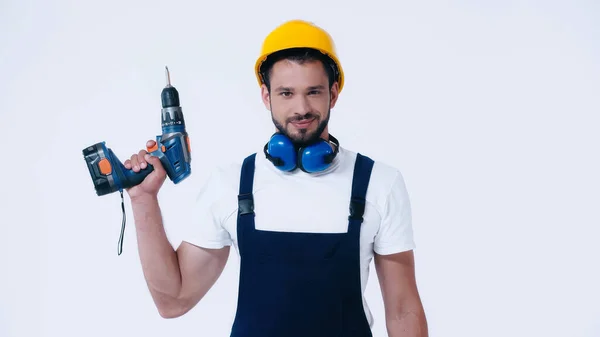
(304, 137)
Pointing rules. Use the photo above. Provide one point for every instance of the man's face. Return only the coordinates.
(300, 100)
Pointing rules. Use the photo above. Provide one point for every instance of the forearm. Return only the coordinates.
(407, 323)
(158, 258)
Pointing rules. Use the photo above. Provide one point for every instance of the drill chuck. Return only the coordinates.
(169, 97)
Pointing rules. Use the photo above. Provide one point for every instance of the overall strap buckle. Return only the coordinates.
(245, 204)
(360, 182)
(245, 197)
(357, 208)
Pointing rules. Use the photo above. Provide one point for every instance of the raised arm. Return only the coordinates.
(177, 280)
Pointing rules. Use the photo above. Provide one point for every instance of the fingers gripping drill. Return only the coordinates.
(172, 148)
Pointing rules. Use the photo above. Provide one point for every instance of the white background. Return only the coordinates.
(490, 110)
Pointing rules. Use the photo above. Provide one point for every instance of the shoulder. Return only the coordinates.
(387, 194)
(222, 180)
(383, 175)
(386, 181)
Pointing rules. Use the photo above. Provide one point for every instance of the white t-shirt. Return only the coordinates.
(301, 202)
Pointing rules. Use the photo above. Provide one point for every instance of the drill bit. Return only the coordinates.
(168, 76)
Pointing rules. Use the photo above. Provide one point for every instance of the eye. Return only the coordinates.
(314, 92)
(285, 93)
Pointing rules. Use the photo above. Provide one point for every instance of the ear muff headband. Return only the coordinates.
(311, 158)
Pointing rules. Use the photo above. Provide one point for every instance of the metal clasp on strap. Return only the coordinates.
(357, 208)
(245, 204)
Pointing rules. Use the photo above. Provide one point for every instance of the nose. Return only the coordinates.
(303, 105)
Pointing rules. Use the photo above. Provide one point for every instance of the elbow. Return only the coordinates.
(407, 319)
(170, 306)
(169, 314)
(171, 311)
(407, 311)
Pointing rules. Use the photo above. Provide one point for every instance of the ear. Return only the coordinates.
(334, 92)
(266, 96)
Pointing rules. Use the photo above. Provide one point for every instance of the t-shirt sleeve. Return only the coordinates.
(208, 215)
(395, 234)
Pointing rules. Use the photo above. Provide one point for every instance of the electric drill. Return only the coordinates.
(172, 148)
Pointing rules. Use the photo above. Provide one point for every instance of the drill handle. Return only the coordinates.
(127, 178)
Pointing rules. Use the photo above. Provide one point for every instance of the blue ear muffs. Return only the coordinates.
(311, 158)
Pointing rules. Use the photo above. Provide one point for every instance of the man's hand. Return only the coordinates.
(154, 181)
(404, 312)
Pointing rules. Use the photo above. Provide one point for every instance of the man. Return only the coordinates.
(306, 215)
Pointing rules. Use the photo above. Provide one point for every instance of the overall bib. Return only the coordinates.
(300, 284)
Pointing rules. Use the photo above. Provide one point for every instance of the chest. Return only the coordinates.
(308, 208)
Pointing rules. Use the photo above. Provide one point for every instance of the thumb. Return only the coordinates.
(154, 161)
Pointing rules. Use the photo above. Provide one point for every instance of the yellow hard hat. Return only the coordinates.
(299, 34)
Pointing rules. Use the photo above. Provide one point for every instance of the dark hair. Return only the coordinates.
(299, 55)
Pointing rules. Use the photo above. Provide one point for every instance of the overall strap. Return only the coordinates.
(360, 182)
(245, 218)
(245, 198)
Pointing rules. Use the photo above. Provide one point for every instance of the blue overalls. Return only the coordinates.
(300, 284)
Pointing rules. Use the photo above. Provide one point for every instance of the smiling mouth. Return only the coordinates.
(303, 123)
